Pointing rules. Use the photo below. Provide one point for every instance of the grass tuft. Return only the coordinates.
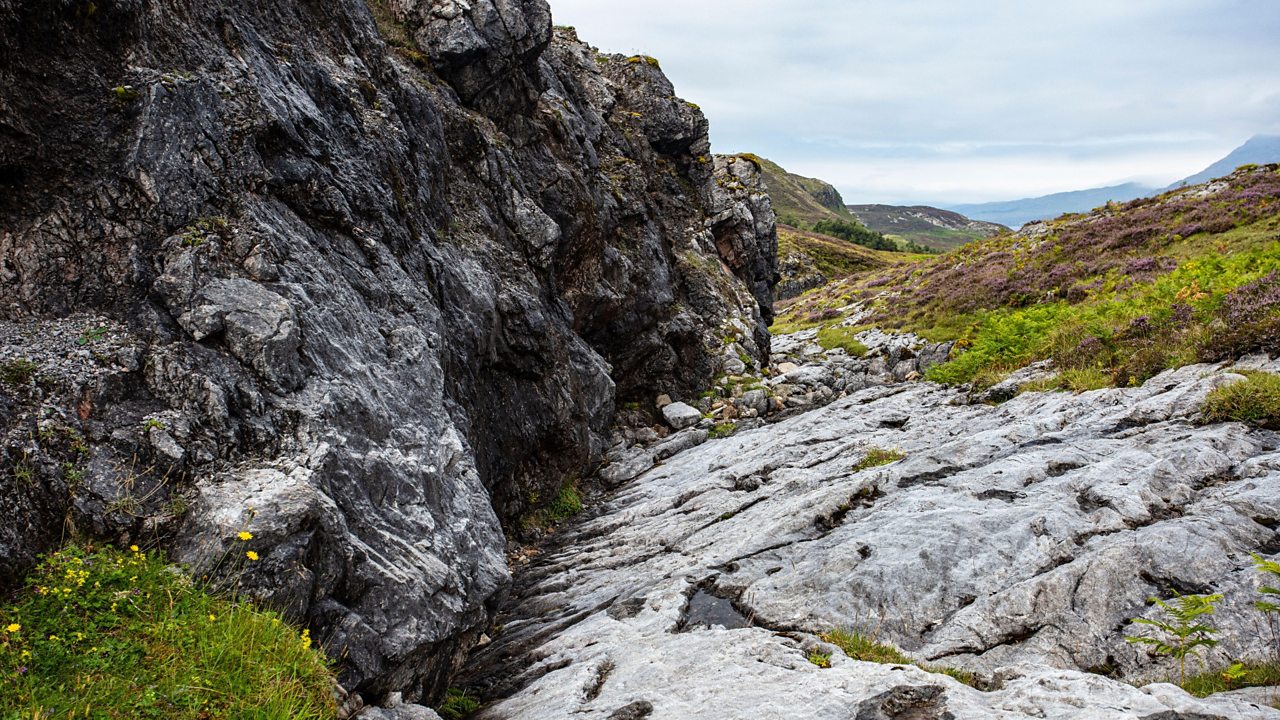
(123, 634)
(1254, 400)
(861, 647)
(457, 705)
(1238, 676)
(831, 338)
(876, 457)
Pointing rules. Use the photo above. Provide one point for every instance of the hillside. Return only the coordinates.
(928, 226)
(800, 201)
(808, 260)
(1112, 297)
(1015, 213)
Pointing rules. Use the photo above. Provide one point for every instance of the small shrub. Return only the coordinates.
(723, 430)
(457, 705)
(1254, 400)
(821, 659)
(876, 457)
(1185, 633)
(831, 338)
(18, 372)
(116, 634)
(567, 503)
(91, 335)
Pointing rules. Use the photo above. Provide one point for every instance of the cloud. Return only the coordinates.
(934, 100)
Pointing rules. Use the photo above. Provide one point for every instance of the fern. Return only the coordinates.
(1185, 633)
(1270, 610)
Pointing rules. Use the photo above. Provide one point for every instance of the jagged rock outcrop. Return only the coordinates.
(1014, 540)
(364, 279)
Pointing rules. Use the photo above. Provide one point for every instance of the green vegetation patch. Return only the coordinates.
(1129, 290)
(1234, 677)
(1254, 400)
(831, 338)
(1077, 381)
(457, 705)
(124, 634)
(876, 457)
(723, 430)
(867, 649)
(18, 372)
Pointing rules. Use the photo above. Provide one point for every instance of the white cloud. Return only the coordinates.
(1019, 98)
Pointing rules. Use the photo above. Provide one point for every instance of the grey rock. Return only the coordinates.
(811, 376)
(397, 712)
(680, 416)
(757, 400)
(626, 467)
(1037, 528)
(679, 442)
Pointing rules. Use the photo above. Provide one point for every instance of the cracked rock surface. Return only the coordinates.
(1015, 541)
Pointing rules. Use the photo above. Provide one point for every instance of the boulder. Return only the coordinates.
(680, 416)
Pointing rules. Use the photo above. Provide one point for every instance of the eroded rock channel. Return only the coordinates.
(1014, 541)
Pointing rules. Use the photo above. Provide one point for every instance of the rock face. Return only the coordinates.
(363, 279)
(1016, 541)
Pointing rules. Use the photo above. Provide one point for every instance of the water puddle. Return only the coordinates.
(706, 611)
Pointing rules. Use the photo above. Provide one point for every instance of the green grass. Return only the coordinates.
(723, 430)
(1004, 339)
(1251, 675)
(876, 457)
(1254, 400)
(121, 634)
(457, 705)
(566, 504)
(1076, 381)
(861, 647)
(831, 338)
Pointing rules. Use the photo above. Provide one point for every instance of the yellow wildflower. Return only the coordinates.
(245, 535)
(13, 627)
(26, 654)
(134, 548)
(212, 617)
(306, 639)
(251, 555)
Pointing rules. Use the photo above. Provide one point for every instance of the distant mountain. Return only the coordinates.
(1258, 150)
(800, 201)
(928, 226)
(1016, 213)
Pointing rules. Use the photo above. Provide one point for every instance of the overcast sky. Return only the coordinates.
(951, 101)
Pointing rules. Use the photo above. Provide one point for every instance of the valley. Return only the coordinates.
(406, 360)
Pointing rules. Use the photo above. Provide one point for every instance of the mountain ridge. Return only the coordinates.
(1258, 149)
